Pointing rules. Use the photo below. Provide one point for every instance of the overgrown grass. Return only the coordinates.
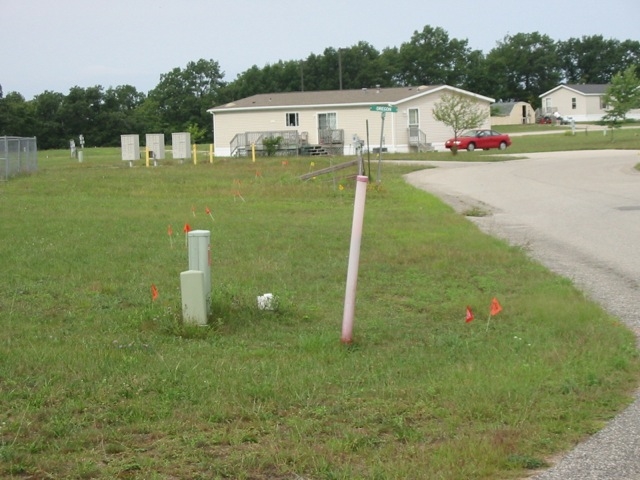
(98, 381)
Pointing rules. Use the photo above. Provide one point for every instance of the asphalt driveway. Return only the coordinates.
(578, 213)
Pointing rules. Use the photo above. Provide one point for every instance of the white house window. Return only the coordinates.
(327, 121)
(573, 103)
(414, 118)
(292, 120)
(603, 104)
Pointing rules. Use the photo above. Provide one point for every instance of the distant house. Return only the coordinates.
(338, 121)
(584, 103)
(512, 113)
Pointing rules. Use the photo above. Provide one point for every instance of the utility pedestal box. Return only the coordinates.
(155, 144)
(200, 258)
(194, 307)
(181, 145)
(130, 147)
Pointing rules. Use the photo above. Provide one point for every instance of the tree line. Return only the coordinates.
(519, 67)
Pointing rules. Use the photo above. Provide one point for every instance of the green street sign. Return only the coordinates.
(383, 108)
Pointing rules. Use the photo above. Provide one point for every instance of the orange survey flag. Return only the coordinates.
(496, 308)
(154, 292)
(469, 315)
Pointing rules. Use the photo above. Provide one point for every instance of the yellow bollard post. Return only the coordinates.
(195, 157)
(211, 153)
(146, 156)
(253, 152)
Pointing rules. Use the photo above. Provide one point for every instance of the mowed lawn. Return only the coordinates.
(97, 380)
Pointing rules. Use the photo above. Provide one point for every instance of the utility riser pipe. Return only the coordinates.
(354, 259)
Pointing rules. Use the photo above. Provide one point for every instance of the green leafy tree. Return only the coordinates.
(49, 125)
(432, 58)
(320, 72)
(80, 112)
(124, 98)
(459, 112)
(197, 133)
(183, 96)
(360, 66)
(589, 59)
(118, 114)
(476, 76)
(523, 66)
(355, 67)
(621, 96)
(278, 77)
(16, 116)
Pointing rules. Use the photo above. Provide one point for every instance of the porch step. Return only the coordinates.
(314, 150)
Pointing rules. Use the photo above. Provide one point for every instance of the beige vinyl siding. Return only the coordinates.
(561, 102)
(593, 104)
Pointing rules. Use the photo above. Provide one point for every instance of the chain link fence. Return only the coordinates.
(17, 155)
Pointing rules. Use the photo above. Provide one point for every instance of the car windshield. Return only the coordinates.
(470, 133)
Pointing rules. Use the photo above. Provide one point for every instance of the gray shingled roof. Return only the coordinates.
(365, 96)
(327, 97)
(589, 88)
(503, 108)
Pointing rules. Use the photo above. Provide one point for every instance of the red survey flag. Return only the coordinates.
(236, 193)
(154, 292)
(186, 230)
(469, 315)
(169, 230)
(496, 308)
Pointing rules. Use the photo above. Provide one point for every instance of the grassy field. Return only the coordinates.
(99, 381)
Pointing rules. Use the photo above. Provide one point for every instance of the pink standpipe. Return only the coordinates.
(354, 259)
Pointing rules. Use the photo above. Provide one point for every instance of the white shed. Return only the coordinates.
(512, 113)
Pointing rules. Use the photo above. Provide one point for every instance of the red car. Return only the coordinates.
(484, 139)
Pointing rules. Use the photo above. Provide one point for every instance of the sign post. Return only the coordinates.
(383, 109)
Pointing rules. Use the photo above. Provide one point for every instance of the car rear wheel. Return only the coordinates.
(503, 145)
(471, 147)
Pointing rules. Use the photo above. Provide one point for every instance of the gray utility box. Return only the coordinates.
(130, 147)
(155, 144)
(181, 145)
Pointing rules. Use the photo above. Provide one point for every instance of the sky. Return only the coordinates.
(50, 45)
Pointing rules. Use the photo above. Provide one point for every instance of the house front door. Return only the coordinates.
(327, 124)
(414, 125)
